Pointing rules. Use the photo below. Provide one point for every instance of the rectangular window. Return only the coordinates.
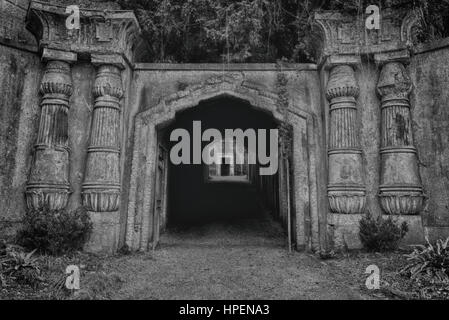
(228, 163)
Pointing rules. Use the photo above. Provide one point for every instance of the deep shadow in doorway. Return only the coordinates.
(193, 200)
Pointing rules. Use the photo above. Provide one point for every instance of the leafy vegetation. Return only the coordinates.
(381, 234)
(19, 266)
(256, 30)
(429, 263)
(55, 232)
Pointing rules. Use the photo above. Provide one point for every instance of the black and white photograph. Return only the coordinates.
(234, 158)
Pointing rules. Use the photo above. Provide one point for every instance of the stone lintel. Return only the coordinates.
(53, 54)
(383, 58)
(338, 60)
(110, 59)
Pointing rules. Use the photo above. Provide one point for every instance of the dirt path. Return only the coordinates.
(244, 260)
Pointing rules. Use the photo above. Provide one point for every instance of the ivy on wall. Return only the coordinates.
(256, 30)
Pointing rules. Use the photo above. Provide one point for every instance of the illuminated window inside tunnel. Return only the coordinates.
(229, 162)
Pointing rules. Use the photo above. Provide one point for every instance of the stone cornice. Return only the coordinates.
(12, 30)
(347, 35)
(105, 32)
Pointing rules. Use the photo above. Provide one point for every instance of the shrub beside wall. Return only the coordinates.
(381, 234)
(55, 232)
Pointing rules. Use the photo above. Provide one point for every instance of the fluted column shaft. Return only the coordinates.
(346, 189)
(401, 189)
(48, 184)
(101, 187)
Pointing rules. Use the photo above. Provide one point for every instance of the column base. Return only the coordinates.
(344, 229)
(105, 233)
(435, 233)
(415, 234)
(402, 202)
(101, 200)
(54, 199)
(341, 203)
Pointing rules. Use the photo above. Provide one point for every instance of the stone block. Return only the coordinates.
(345, 228)
(415, 234)
(435, 233)
(105, 233)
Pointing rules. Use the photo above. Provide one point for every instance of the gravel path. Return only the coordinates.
(240, 260)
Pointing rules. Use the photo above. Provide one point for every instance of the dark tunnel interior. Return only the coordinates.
(192, 198)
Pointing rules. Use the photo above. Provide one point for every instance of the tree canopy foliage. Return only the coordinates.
(255, 30)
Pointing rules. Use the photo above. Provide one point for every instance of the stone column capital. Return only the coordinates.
(108, 83)
(342, 83)
(394, 82)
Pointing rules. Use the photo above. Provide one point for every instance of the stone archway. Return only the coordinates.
(303, 187)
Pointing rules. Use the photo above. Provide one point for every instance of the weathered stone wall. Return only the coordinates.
(429, 70)
(19, 108)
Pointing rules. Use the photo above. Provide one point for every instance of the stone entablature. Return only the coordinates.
(100, 32)
(344, 34)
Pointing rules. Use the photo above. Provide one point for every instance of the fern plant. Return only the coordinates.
(429, 262)
(20, 266)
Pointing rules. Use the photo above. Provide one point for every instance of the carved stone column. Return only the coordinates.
(48, 184)
(101, 187)
(346, 189)
(401, 191)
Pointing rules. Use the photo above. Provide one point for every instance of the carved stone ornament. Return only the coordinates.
(99, 31)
